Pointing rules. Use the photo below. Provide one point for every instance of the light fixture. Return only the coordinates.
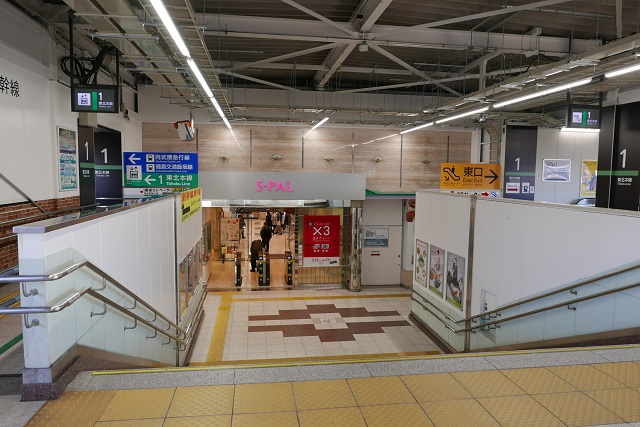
(207, 90)
(123, 36)
(320, 123)
(328, 158)
(468, 113)
(224, 156)
(580, 130)
(380, 139)
(377, 159)
(542, 93)
(277, 156)
(622, 71)
(170, 26)
(425, 161)
(417, 127)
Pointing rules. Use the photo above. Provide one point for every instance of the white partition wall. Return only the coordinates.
(523, 249)
(137, 247)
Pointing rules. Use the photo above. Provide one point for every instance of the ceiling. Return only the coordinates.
(425, 59)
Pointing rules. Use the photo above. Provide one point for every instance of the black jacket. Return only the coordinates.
(265, 234)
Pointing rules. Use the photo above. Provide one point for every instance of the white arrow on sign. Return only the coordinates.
(133, 158)
(149, 180)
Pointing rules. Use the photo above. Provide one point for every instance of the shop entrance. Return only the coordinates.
(287, 263)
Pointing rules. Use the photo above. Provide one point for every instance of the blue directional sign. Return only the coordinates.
(160, 169)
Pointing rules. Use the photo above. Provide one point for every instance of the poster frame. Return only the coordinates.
(67, 159)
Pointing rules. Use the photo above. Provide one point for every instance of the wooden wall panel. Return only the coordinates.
(324, 142)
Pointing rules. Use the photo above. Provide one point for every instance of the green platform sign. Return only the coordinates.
(161, 170)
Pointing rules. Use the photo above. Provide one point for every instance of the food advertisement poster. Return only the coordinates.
(455, 280)
(436, 270)
(421, 262)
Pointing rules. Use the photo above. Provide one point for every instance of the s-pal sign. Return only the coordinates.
(274, 186)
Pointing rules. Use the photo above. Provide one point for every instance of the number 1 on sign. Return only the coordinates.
(518, 164)
(105, 156)
(623, 153)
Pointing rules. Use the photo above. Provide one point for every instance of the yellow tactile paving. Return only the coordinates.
(240, 299)
(408, 414)
(576, 409)
(538, 381)
(380, 391)
(269, 397)
(323, 394)
(434, 387)
(194, 401)
(73, 409)
(208, 421)
(624, 402)
(138, 404)
(487, 384)
(341, 417)
(273, 419)
(628, 373)
(458, 413)
(519, 411)
(158, 422)
(216, 348)
(585, 377)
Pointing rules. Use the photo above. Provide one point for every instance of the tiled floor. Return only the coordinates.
(300, 324)
(601, 393)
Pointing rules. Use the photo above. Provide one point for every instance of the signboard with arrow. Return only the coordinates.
(161, 169)
(469, 176)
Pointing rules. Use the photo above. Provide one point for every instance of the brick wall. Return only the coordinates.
(14, 211)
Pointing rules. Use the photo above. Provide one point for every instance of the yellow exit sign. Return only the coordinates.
(469, 176)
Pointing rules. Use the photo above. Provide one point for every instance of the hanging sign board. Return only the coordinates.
(470, 176)
(321, 240)
(160, 169)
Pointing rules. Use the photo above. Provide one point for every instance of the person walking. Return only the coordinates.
(268, 220)
(241, 225)
(256, 248)
(265, 235)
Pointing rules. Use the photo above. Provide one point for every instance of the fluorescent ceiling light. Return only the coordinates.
(542, 93)
(200, 77)
(468, 113)
(170, 26)
(623, 71)
(417, 127)
(207, 90)
(380, 139)
(579, 130)
(320, 123)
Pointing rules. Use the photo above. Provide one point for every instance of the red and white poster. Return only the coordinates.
(321, 241)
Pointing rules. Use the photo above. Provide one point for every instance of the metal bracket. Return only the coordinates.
(103, 311)
(135, 304)
(571, 308)
(573, 291)
(34, 322)
(168, 341)
(104, 285)
(154, 335)
(135, 325)
(449, 327)
(31, 291)
(155, 316)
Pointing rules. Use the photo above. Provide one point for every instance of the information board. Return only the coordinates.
(95, 99)
(470, 176)
(321, 235)
(161, 169)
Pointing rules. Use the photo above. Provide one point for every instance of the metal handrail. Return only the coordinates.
(553, 292)
(88, 291)
(528, 313)
(95, 269)
(432, 313)
(22, 193)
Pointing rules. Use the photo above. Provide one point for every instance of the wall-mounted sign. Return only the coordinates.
(558, 170)
(455, 280)
(68, 159)
(376, 237)
(520, 162)
(436, 270)
(191, 202)
(472, 176)
(321, 245)
(161, 169)
(9, 86)
(421, 262)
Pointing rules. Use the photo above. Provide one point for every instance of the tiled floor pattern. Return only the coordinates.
(316, 324)
(579, 395)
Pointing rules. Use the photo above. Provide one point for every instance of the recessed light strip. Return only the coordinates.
(170, 26)
(207, 90)
(580, 130)
(542, 93)
(622, 71)
(417, 127)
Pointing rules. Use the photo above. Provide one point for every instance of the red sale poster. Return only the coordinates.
(321, 241)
